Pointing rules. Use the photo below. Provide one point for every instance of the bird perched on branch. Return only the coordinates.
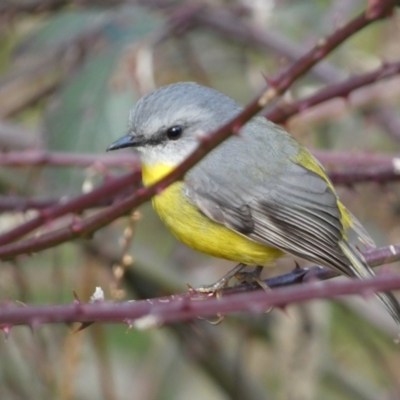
(258, 195)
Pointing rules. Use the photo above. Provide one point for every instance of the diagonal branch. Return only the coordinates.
(281, 112)
(75, 205)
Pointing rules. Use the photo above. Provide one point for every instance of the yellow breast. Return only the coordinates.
(196, 230)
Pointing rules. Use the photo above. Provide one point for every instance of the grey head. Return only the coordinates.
(165, 124)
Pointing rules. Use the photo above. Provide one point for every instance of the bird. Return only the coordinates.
(257, 196)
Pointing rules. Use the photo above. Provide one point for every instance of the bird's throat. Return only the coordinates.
(151, 173)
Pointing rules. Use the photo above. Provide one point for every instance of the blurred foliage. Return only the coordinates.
(71, 75)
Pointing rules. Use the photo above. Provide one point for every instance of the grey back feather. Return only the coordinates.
(261, 192)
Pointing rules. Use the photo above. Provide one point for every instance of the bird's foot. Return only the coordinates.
(215, 289)
(254, 277)
(241, 276)
(222, 283)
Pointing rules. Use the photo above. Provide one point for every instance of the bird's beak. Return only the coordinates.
(125, 141)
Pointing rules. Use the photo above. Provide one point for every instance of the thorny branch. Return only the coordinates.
(185, 306)
(152, 312)
(283, 111)
(37, 158)
(75, 205)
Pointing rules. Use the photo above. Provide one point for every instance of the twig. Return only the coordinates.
(374, 174)
(19, 203)
(383, 255)
(152, 312)
(59, 159)
(75, 205)
(333, 159)
(282, 111)
(245, 297)
(22, 204)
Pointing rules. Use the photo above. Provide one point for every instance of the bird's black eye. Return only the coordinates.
(175, 132)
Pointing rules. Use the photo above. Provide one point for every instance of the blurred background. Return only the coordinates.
(69, 73)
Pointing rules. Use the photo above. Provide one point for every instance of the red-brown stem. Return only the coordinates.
(59, 159)
(187, 305)
(281, 112)
(355, 175)
(364, 168)
(334, 159)
(75, 205)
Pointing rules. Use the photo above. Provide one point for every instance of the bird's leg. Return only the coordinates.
(216, 287)
(221, 283)
(253, 276)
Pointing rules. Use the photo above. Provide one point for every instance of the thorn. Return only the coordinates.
(6, 328)
(83, 326)
(236, 129)
(191, 290)
(77, 300)
(283, 124)
(283, 309)
(32, 326)
(76, 224)
(160, 189)
(366, 293)
(345, 96)
(270, 81)
(296, 266)
(129, 322)
(202, 136)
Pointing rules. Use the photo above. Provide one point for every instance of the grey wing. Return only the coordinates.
(296, 213)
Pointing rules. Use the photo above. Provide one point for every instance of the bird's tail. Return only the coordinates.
(360, 269)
